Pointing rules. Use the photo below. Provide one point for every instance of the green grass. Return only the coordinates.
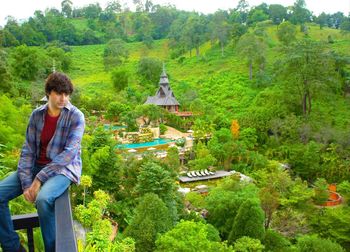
(88, 71)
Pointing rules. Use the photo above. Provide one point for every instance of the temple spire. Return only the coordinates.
(163, 73)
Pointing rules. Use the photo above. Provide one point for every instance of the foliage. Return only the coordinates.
(196, 199)
(333, 223)
(149, 69)
(115, 53)
(235, 129)
(290, 223)
(220, 29)
(321, 191)
(197, 238)
(86, 182)
(155, 179)
(172, 161)
(274, 241)
(224, 201)
(13, 122)
(253, 49)
(286, 33)
(215, 87)
(224, 147)
(300, 14)
(26, 62)
(105, 168)
(247, 244)
(162, 128)
(312, 68)
(194, 33)
(149, 221)
(269, 199)
(203, 158)
(249, 221)
(120, 78)
(277, 13)
(313, 243)
(115, 110)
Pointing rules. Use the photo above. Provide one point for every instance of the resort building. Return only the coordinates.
(164, 96)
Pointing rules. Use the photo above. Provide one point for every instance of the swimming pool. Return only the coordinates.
(155, 142)
(114, 127)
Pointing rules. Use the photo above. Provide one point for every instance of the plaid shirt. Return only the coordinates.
(64, 148)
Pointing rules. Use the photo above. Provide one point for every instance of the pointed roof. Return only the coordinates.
(164, 95)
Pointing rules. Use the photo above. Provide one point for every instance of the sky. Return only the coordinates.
(23, 9)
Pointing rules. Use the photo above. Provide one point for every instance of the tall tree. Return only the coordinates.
(149, 69)
(220, 29)
(151, 218)
(277, 13)
(240, 13)
(67, 8)
(322, 20)
(176, 40)
(162, 18)
(256, 15)
(249, 221)
(286, 33)
(92, 11)
(155, 179)
(300, 14)
(345, 26)
(253, 49)
(143, 27)
(307, 70)
(194, 33)
(113, 6)
(5, 77)
(26, 62)
(115, 53)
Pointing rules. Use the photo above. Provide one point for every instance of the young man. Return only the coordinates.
(50, 160)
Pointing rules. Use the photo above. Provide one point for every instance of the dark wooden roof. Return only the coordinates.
(164, 95)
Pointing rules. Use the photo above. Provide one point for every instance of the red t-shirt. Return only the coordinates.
(46, 135)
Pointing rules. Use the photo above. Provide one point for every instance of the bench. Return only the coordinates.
(65, 237)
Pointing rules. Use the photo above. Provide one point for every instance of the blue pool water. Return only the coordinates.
(115, 127)
(158, 141)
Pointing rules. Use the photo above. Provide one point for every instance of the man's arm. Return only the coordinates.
(27, 157)
(70, 150)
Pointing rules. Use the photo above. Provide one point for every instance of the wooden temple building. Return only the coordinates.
(165, 97)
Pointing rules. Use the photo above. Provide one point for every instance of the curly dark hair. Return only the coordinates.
(58, 82)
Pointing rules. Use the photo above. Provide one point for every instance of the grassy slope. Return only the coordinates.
(226, 77)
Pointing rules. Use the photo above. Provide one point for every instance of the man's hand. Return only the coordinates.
(28, 197)
(31, 193)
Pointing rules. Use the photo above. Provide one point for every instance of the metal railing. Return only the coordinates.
(65, 237)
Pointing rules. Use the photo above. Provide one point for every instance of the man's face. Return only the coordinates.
(58, 101)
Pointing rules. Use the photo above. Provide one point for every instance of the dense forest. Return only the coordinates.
(268, 87)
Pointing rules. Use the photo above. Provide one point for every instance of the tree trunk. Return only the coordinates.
(197, 51)
(268, 220)
(222, 49)
(304, 103)
(250, 70)
(309, 103)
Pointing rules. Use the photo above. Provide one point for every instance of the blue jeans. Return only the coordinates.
(10, 188)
